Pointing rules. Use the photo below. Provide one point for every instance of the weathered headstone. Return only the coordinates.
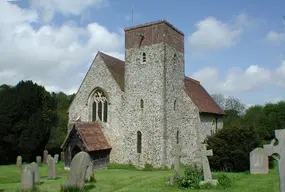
(258, 162)
(272, 149)
(19, 162)
(48, 157)
(45, 156)
(35, 169)
(51, 168)
(78, 168)
(39, 160)
(89, 172)
(203, 153)
(56, 156)
(62, 156)
(27, 178)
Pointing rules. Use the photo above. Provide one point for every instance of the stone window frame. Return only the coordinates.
(142, 103)
(139, 142)
(214, 126)
(96, 97)
(177, 137)
(175, 105)
(143, 57)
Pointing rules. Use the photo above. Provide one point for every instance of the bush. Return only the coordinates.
(231, 147)
(224, 181)
(191, 179)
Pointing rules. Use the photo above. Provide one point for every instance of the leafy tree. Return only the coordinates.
(231, 147)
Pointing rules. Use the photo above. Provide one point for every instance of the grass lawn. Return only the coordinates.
(123, 180)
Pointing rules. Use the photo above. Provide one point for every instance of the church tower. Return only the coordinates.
(154, 87)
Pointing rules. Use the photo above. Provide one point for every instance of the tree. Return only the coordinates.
(229, 103)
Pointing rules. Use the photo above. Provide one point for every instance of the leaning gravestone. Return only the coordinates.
(35, 170)
(56, 156)
(206, 166)
(258, 162)
(62, 156)
(278, 149)
(27, 178)
(45, 156)
(39, 160)
(89, 172)
(78, 168)
(51, 168)
(19, 162)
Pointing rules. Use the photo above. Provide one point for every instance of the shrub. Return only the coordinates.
(191, 179)
(231, 147)
(224, 181)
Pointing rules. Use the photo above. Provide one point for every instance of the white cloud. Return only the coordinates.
(212, 34)
(56, 57)
(236, 80)
(275, 37)
(66, 7)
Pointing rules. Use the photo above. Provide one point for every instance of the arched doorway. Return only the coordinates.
(74, 151)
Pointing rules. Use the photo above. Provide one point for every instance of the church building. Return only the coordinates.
(136, 111)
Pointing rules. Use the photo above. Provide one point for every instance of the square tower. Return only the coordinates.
(154, 84)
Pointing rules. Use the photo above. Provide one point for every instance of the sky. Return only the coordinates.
(235, 48)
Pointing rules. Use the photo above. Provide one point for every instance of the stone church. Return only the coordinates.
(137, 110)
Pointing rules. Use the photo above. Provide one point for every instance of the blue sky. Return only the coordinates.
(233, 47)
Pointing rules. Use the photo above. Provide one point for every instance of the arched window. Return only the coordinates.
(142, 103)
(99, 106)
(139, 142)
(177, 137)
(143, 57)
(174, 105)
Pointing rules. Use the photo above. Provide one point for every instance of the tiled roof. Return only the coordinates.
(91, 135)
(193, 88)
(200, 97)
(116, 67)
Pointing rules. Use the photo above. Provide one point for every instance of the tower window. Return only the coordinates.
(99, 107)
(174, 105)
(139, 142)
(142, 103)
(143, 57)
(177, 137)
(175, 59)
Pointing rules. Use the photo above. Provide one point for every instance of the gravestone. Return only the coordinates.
(56, 156)
(39, 160)
(19, 162)
(272, 149)
(35, 170)
(258, 162)
(62, 156)
(78, 168)
(177, 162)
(89, 172)
(27, 178)
(203, 153)
(45, 156)
(51, 168)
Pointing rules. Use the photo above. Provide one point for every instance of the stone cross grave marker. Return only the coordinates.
(62, 156)
(272, 149)
(19, 162)
(27, 178)
(78, 168)
(45, 156)
(51, 168)
(258, 162)
(177, 155)
(206, 166)
(35, 170)
(39, 160)
(56, 156)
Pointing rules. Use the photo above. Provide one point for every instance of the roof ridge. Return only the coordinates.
(193, 80)
(104, 54)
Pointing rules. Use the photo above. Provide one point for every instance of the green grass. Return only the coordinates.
(131, 180)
